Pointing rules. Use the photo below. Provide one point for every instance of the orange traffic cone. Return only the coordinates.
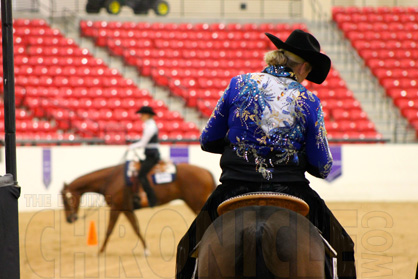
(92, 234)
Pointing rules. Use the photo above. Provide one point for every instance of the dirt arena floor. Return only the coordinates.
(386, 237)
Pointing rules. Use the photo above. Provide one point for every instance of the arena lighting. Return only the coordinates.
(9, 191)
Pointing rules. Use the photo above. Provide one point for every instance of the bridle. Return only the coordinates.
(68, 199)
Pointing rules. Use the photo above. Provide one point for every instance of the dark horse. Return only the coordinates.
(192, 184)
(261, 242)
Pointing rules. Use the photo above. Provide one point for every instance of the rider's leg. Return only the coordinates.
(146, 166)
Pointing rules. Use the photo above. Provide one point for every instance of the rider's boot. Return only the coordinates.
(152, 199)
(136, 201)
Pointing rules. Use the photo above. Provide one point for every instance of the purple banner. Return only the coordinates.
(179, 154)
(46, 166)
(336, 169)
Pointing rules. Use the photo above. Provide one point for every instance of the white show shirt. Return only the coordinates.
(150, 129)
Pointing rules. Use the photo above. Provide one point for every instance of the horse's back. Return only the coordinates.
(196, 174)
(261, 242)
(195, 185)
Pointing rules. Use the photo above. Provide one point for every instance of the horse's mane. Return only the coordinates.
(95, 177)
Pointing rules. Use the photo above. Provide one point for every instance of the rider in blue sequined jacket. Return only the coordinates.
(268, 126)
(270, 131)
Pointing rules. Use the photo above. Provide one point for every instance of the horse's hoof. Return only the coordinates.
(147, 252)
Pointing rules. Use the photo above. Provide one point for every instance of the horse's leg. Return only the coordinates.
(114, 214)
(135, 225)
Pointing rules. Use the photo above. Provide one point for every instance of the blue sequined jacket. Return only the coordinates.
(268, 127)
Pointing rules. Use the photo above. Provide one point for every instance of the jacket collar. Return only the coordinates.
(280, 71)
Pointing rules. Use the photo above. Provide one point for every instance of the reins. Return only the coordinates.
(89, 212)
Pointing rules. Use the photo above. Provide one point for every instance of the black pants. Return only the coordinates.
(146, 166)
(319, 215)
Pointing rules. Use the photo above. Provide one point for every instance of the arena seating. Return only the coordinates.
(196, 61)
(63, 92)
(386, 39)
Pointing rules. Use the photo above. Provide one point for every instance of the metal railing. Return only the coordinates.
(216, 9)
(100, 141)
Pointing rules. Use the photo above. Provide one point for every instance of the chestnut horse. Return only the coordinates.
(261, 242)
(192, 184)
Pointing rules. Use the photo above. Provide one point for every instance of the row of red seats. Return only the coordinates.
(58, 51)
(393, 63)
(30, 125)
(101, 36)
(40, 60)
(401, 27)
(96, 104)
(44, 106)
(83, 92)
(40, 40)
(92, 126)
(375, 17)
(354, 136)
(196, 53)
(64, 70)
(89, 26)
(73, 81)
(388, 49)
(36, 31)
(409, 56)
(379, 10)
(146, 65)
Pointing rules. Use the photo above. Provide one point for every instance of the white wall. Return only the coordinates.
(369, 172)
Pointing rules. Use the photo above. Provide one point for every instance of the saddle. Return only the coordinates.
(260, 199)
(162, 172)
(265, 198)
(273, 199)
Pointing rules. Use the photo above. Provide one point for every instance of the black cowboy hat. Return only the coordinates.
(306, 46)
(147, 110)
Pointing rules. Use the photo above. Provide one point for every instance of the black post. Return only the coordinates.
(9, 87)
(9, 229)
(9, 191)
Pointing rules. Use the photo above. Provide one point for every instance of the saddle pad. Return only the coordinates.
(166, 176)
(163, 177)
(265, 198)
(129, 172)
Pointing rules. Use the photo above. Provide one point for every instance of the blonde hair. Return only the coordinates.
(281, 57)
(275, 58)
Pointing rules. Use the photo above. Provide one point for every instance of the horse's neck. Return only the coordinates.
(95, 182)
(81, 187)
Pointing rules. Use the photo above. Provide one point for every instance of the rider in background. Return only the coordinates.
(148, 141)
(270, 130)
